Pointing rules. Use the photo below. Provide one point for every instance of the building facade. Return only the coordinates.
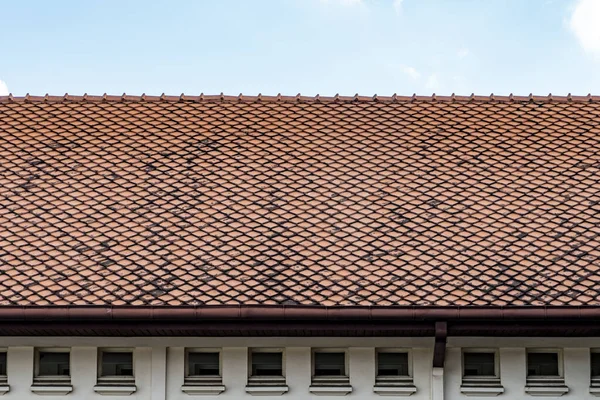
(159, 369)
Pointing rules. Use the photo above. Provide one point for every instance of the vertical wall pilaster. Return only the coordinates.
(159, 373)
(437, 383)
(235, 370)
(362, 370)
(298, 371)
(20, 371)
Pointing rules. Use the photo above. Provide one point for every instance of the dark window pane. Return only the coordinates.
(330, 364)
(595, 364)
(542, 364)
(54, 364)
(479, 364)
(267, 364)
(392, 364)
(2, 363)
(117, 364)
(203, 364)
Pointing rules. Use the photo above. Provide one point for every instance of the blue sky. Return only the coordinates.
(307, 46)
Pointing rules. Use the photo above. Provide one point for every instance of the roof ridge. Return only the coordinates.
(67, 98)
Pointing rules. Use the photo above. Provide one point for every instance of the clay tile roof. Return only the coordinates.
(359, 200)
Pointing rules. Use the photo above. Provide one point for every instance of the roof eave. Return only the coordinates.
(297, 312)
(296, 321)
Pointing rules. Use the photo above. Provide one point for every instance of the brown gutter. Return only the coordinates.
(295, 313)
(294, 321)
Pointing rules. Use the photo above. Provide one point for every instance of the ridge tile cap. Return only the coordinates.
(183, 98)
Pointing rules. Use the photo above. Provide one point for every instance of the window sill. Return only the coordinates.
(555, 391)
(266, 385)
(276, 380)
(4, 388)
(208, 390)
(115, 390)
(56, 390)
(405, 390)
(482, 390)
(199, 380)
(267, 390)
(322, 390)
(595, 390)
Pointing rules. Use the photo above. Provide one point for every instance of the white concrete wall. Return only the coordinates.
(576, 353)
(159, 365)
(83, 373)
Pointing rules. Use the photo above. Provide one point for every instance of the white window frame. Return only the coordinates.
(390, 385)
(546, 385)
(393, 350)
(200, 380)
(481, 385)
(560, 360)
(50, 379)
(324, 379)
(266, 350)
(495, 352)
(266, 384)
(329, 385)
(125, 380)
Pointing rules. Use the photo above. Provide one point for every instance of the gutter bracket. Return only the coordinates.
(439, 350)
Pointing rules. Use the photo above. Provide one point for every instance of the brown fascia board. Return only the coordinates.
(295, 313)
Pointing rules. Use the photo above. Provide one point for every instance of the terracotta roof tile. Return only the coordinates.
(187, 200)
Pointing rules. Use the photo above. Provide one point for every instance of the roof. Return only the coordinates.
(342, 201)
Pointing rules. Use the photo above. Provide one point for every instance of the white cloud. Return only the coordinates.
(343, 2)
(411, 72)
(3, 89)
(397, 6)
(585, 23)
(432, 82)
(462, 53)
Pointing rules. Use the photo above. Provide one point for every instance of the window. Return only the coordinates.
(3, 377)
(266, 372)
(115, 366)
(330, 364)
(330, 369)
(203, 372)
(481, 372)
(203, 364)
(52, 365)
(542, 364)
(595, 363)
(52, 371)
(545, 372)
(3, 363)
(393, 374)
(392, 364)
(267, 364)
(115, 372)
(595, 372)
(479, 364)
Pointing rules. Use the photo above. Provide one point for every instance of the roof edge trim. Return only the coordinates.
(184, 98)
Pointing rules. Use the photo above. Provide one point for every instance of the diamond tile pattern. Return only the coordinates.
(324, 203)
